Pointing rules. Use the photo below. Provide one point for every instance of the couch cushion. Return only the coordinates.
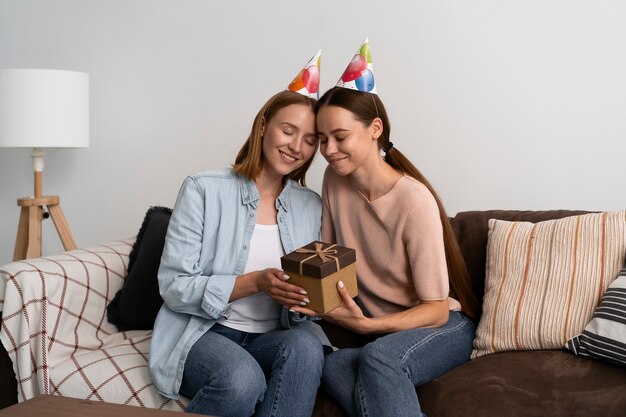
(116, 373)
(604, 337)
(471, 230)
(532, 383)
(137, 304)
(545, 279)
(54, 309)
(327, 406)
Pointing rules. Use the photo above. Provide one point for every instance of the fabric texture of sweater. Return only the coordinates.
(398, 239)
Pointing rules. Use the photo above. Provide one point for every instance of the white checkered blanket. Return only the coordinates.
(55, 330)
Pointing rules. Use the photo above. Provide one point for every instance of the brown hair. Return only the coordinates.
(366, 107)
(250, 159)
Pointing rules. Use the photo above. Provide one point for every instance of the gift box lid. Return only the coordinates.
(307, 259)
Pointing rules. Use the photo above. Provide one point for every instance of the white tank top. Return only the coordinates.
(258, 313)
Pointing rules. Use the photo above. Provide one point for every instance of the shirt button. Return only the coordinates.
(252, 215)
(245, 247)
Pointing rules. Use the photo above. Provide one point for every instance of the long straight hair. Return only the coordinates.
(250, 159)
(366, 107)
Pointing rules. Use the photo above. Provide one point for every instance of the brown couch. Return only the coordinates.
(551, 383)
(533, 383)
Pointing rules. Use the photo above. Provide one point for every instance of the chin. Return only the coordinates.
(287, 170)
(340, 171)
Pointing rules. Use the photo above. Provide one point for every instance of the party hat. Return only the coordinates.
(307, 82)
(359, 75)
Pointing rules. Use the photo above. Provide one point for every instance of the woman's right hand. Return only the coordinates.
(348, 314)
(274, 283)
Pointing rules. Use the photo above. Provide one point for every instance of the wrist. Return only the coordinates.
(250, 282)
(368, 326)
(255, 280)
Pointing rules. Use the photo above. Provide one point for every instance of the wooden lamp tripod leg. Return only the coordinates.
(62, 227)
(21, 241)
(28, 240)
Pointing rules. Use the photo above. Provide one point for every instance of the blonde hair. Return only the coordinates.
(250, 159)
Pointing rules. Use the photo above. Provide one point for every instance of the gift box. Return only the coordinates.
(317, 267)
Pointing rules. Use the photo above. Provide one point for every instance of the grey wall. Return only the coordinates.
(501, 104)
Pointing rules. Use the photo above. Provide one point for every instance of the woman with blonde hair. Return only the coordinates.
(224, 336)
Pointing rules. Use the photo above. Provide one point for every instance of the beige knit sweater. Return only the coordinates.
(398, 240)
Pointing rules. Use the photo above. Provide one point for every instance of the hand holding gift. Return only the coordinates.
(273, 282)
(317, 268)
(348, 314)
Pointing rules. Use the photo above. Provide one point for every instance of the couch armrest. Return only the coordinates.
(54, 308)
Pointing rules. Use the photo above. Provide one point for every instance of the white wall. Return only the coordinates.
(501, 104)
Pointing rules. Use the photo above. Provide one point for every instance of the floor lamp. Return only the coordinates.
(44, 110)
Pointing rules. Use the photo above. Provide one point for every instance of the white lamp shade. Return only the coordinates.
(42, 108)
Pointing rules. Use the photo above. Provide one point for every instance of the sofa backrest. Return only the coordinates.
(472, 231)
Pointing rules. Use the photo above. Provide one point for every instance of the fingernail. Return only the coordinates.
(291, 310)
(285, 277)
(302, 303)
(303, 292)
(340, 284)
(306, 300)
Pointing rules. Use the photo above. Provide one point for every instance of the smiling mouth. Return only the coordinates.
(335, 160)
(288, 157)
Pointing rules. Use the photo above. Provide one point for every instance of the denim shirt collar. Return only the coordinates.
(284, 197)
(250, 194)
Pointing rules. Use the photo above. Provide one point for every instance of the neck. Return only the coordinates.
(269, 185)
(375, 179)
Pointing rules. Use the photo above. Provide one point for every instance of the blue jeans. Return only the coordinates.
(379, 379)
(231, 373)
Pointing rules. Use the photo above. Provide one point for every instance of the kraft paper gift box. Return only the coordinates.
(317, 267)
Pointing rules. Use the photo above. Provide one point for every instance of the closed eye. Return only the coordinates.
(311, 140)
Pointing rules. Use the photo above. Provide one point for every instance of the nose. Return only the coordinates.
(296, 144)
(328, 148)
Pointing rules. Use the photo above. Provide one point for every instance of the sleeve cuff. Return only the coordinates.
(217, 293)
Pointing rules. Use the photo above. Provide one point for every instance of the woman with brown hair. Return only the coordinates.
(223, 336)
(414, 303)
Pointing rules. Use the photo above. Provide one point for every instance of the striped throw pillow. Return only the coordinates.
(544, 280)
(604, 337)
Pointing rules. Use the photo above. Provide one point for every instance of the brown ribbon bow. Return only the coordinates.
(325, 255)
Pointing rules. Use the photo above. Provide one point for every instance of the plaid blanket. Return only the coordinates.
(55, 330)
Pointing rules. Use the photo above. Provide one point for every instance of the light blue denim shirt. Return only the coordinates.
(206, 248)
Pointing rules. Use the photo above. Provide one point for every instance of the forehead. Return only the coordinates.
(331, 115)
(293, 113)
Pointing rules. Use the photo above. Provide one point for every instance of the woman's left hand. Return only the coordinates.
(348, 314)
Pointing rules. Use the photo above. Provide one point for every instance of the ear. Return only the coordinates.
(262, 125)
(376, 127)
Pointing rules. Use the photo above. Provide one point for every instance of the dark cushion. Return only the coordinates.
(530, 383)
(8, 392)
(327, 406)
(136, 305)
